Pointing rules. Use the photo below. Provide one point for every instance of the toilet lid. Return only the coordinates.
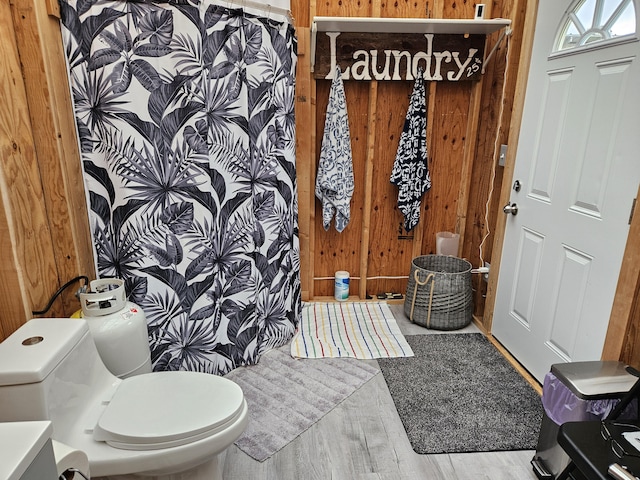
(167, 409)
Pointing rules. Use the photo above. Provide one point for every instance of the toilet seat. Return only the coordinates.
(168, 409)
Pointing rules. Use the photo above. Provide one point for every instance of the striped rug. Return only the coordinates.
(348, 329)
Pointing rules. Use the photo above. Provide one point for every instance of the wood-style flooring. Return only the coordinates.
(363, 439)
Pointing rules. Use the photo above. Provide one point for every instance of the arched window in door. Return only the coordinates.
(588, 22)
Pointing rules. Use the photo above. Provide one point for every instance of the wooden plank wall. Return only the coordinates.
(624, 326)
(375, 245)
(44, 233)
(44, 230)
(492, 131)
(16, 145)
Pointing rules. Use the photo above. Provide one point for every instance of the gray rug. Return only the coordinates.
(286, 396)
(459, 394)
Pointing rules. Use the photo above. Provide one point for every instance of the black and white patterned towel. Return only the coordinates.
(410, 169)
(334, 182)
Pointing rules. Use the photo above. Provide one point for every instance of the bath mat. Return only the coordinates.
(459, 394)
(364, 330)
(287, 395)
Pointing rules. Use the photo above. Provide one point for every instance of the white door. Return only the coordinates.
(578, 166)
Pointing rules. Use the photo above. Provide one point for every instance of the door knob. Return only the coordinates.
(510, 208)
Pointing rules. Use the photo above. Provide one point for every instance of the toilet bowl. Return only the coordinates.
(154, 424)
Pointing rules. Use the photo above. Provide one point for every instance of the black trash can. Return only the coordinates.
(574, 392)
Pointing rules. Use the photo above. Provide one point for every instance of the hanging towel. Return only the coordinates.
(410, 169)
(334, 183)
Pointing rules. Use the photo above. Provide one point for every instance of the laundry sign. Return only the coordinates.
(397, 56)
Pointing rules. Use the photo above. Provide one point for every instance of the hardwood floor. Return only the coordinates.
(363, 439)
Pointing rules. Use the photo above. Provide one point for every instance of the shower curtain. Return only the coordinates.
(185, 117)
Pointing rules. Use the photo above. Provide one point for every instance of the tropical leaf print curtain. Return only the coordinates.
(184, 112)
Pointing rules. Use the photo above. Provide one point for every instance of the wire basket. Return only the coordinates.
(439, 292)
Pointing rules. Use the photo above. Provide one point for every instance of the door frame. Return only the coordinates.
(626, 304)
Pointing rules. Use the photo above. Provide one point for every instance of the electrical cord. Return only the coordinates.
(60, 290)
(480, 270)
(69, 474)
(378, 277)
(495, 153)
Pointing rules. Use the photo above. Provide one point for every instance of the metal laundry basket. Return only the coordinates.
(439, 292)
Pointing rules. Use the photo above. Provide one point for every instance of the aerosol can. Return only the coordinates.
(118, 328)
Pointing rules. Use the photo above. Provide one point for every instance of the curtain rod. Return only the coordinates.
(54, 9)
(264, 7)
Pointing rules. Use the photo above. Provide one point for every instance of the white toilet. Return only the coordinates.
(154, 424)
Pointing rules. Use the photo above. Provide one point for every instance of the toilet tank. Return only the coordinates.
(49, 369)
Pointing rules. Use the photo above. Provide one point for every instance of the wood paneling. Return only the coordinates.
(304, 157)
(404, 9)
(528, 21)
(623, 335)
(13, 301)
(300, 11)
(343, 8)
(631, 352)
(43, 222)
(385, 248)
(447, 153)
(458, 8)
(389, 251)
(28, 249)
(488, 141)
(49, 102)
(341, 251)
(368, 181)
